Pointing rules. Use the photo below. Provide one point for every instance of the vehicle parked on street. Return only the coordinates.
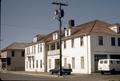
(109, 65)
(64, 71)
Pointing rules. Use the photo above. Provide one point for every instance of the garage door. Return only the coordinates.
(115, 56)
(97, 57)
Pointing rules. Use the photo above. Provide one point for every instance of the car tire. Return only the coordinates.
(51, 73)
(112, 71)
(102, 72)
(68, 73)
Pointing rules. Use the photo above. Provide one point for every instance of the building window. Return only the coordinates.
(100, 40)
(64, 44)
(113, 41)
(34, 49)
(40, 63)
(28, 50)
(36, 63)
(81, 41)
(47, 47)
(13, 53)
(58, 45)
(67, 32)
(118, 41)
(40, 47)
(65, 62)
(49, 63)
(53, 46)
(8, 61)
(33, 63)
(73, 62)
(23, 53)
(29, 63)
(72, 43)
(82, 63)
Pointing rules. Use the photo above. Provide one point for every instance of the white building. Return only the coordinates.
(82, 47)
(35, 55)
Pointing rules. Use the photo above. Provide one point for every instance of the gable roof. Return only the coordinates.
(15, 46)
(95, 26)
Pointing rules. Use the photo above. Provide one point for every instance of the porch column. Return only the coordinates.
(108, 56)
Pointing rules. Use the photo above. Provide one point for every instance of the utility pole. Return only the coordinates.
(0, 33)
(59, 14)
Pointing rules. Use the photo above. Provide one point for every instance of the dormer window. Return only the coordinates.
(35, 39)
(68, 32)
(115, 28)
(55, 36)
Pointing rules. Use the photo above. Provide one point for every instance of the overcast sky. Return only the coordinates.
(21, 20)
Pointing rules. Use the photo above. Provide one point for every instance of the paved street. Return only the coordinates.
(48, 77)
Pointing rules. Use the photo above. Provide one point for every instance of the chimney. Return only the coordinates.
(71, 23)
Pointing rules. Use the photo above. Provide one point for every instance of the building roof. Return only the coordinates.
(16, 46)
(40, 36)
(92, 27)
(45, 38)
(95, 26)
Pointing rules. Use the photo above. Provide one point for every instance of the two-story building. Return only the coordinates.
(82, 47)
(13, 56)
(35, 54)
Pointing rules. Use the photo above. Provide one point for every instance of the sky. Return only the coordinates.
(21, 20)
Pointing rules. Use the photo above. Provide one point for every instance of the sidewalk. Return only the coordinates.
(44, 74)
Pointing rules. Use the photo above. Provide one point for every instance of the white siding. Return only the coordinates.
(37, 55)
(105, 49)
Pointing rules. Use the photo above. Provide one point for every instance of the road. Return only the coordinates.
(77, 77)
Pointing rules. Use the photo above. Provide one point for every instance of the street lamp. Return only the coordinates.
(59, 14)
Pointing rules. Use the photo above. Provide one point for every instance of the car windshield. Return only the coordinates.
(105, 61)
(101, 62)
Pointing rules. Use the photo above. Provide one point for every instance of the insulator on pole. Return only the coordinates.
(56, 12)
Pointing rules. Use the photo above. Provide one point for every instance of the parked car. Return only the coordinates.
(57, 71)
(109, 65)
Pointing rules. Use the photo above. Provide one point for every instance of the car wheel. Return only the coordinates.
(68, 73)
(102, 72)
(51, 73)
(112, 71)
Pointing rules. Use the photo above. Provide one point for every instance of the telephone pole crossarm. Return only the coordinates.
(56, 3)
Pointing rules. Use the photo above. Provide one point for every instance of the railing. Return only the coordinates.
(54, 52)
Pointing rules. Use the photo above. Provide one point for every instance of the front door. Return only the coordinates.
(57, 63)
